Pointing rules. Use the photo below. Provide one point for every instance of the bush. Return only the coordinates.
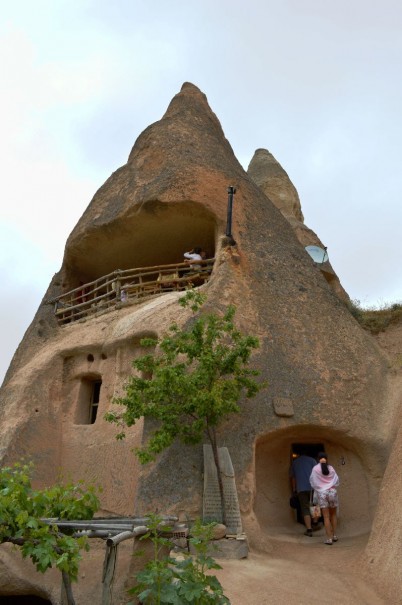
(179, 582)
(376, 320)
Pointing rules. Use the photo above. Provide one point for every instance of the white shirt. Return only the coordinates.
(193, 256)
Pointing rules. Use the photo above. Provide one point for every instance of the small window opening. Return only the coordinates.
(96, 387)
(88, 400)
(90, 357)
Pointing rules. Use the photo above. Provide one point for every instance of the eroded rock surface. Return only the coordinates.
(169, 197)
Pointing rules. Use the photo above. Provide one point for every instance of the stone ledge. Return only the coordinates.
(226, 549)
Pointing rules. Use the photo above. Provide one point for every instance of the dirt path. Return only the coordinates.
(303, 571)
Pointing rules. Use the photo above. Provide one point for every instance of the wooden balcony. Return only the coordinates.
(129, 286)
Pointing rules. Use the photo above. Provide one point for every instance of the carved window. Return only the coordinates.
(88, 400)
(95, 394)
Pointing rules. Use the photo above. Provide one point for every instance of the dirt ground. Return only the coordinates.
(302, 571)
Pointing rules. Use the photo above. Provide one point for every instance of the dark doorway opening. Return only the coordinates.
(26, 599)
(308, 449)
(304, 449)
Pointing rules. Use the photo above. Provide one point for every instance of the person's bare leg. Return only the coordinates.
(307, 521)
(327, 522)
(333, 520)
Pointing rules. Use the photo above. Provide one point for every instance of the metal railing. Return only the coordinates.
(122, 287)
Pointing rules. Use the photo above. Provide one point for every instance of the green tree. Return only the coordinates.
(191, 382)
(22, 510)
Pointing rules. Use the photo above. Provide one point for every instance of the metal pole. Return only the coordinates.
(231, 192)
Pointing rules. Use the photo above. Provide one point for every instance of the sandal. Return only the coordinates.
(309, 532)
(335, 538)
(329, 542)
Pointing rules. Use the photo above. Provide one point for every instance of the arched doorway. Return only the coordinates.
(273, 456)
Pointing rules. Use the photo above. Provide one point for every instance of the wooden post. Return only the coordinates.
(109, 564)
(108, 573)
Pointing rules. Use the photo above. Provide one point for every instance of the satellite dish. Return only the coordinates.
(319, 255)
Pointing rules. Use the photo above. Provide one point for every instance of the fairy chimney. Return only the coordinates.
(274, 181)
(327, 379)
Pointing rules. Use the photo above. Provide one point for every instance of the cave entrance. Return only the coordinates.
(136, 257)
(273, 455)
(307, 449)
(155, 234)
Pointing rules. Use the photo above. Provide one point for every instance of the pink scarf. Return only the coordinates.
(321, 482)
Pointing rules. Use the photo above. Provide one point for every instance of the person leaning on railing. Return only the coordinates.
(193, 256)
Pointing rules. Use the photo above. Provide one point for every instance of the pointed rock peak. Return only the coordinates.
(182, 162)
(192, 100)
(265, 157)
(189, 133)
(269, 175)
(189, 86)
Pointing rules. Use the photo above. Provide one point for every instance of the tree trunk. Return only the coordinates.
(212, 438)
(66, 592)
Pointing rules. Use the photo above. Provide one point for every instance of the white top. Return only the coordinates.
(193, 256)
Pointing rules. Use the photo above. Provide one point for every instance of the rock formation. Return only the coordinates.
(328, 380)
(277, 186)
(275, 183)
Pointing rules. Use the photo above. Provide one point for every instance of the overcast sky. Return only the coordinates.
(317, 83)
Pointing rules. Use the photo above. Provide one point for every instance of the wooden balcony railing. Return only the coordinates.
(127, 286)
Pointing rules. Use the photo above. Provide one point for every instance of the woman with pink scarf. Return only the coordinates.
(324, 481)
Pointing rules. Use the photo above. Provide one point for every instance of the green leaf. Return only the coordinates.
(23, 508)
(33, 523)
(192, 590)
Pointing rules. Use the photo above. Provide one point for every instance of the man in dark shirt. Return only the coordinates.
(300, 472)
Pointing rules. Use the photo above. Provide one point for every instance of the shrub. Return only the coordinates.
(376, 320)
(179, 582)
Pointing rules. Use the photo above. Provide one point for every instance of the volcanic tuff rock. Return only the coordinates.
(269, 175)
(275, 183)
(169, 197)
